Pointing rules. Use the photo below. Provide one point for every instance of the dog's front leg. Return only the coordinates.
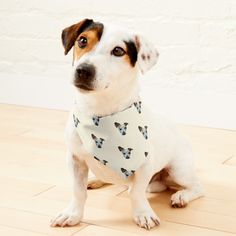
(143, 214)
(74, 212)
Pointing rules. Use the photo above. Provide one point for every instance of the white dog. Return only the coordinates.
(107, 61)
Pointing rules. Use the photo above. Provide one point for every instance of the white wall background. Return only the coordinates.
(194, 81)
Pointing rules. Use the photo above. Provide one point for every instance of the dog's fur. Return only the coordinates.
(104, 84)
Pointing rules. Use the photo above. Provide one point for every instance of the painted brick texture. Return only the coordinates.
(196, 38)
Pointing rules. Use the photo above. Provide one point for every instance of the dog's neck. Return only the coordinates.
(107, 101)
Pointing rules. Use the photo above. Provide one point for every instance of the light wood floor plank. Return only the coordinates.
(122, 220)
(33, 222)
(166, 229)
(231, 161)
(9, 231)
(211, 145)
(13, 186)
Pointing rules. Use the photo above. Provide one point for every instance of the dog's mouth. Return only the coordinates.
(83, 87)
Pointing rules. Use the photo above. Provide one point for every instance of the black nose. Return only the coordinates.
(85, 72)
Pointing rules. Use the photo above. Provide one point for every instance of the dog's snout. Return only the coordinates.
(84, 76)
(85, 72)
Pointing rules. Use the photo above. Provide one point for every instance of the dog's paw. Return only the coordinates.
(146, 219)
(94, 184)
(179, 199)
(66, 218)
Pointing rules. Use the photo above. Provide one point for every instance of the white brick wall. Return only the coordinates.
(196, 40)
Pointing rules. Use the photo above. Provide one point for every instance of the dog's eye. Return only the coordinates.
(118, 52)
(82, 42)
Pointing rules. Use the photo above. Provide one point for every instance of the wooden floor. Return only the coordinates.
(35, 184)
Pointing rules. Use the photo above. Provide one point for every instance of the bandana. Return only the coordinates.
(118, 141)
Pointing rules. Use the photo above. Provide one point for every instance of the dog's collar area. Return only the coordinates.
(136, 105)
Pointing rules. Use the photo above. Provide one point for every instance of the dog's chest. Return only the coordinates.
(119, 142)
(104, 173)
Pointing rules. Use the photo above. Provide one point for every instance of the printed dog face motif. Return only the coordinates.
(126, 152)
(106, 57)
(104, 162)
(138, 106)
(121, 128)
(98, 141)
(126, 172)
(143, 130)
(96, 120)
(76, 120)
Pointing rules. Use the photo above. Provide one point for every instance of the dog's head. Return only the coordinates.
(104, 56)
(125, 151)
(98, 141)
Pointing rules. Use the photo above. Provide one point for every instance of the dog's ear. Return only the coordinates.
(120, 148)
(147, 53)
(70, 34)
(93, 136)
(117, 124)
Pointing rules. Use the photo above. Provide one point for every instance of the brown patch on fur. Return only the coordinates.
(126, 57)
(137, 43)
(143, 57)
(148, 57)
(160, 176)
(95, 183)
(131, 55)
(164, 177)
(92, 40)
(70, 34)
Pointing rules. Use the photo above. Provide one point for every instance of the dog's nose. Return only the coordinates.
(85, 72)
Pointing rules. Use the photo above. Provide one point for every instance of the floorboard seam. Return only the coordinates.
(227, 159)
(202, 227)
(23, 229)
(80, 229)
(51, 187)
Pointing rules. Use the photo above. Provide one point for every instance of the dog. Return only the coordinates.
(107, 61)
(126, 172)
(98, 141)
(122, 128)
(104, 162)
(143, 130)
(125, 151)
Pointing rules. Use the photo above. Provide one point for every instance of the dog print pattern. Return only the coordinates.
(122, 128)
(96, 120)
(104, 162)
(143, 131)
(76, 120)
(98, 141)
(126, 172)
(115, 140)
(125, 151)
(138, 106)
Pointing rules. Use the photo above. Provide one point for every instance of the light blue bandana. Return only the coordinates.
(119, 141)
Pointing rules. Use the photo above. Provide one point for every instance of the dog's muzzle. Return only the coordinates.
(84, 76)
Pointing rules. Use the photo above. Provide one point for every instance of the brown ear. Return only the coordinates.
(70, 34)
